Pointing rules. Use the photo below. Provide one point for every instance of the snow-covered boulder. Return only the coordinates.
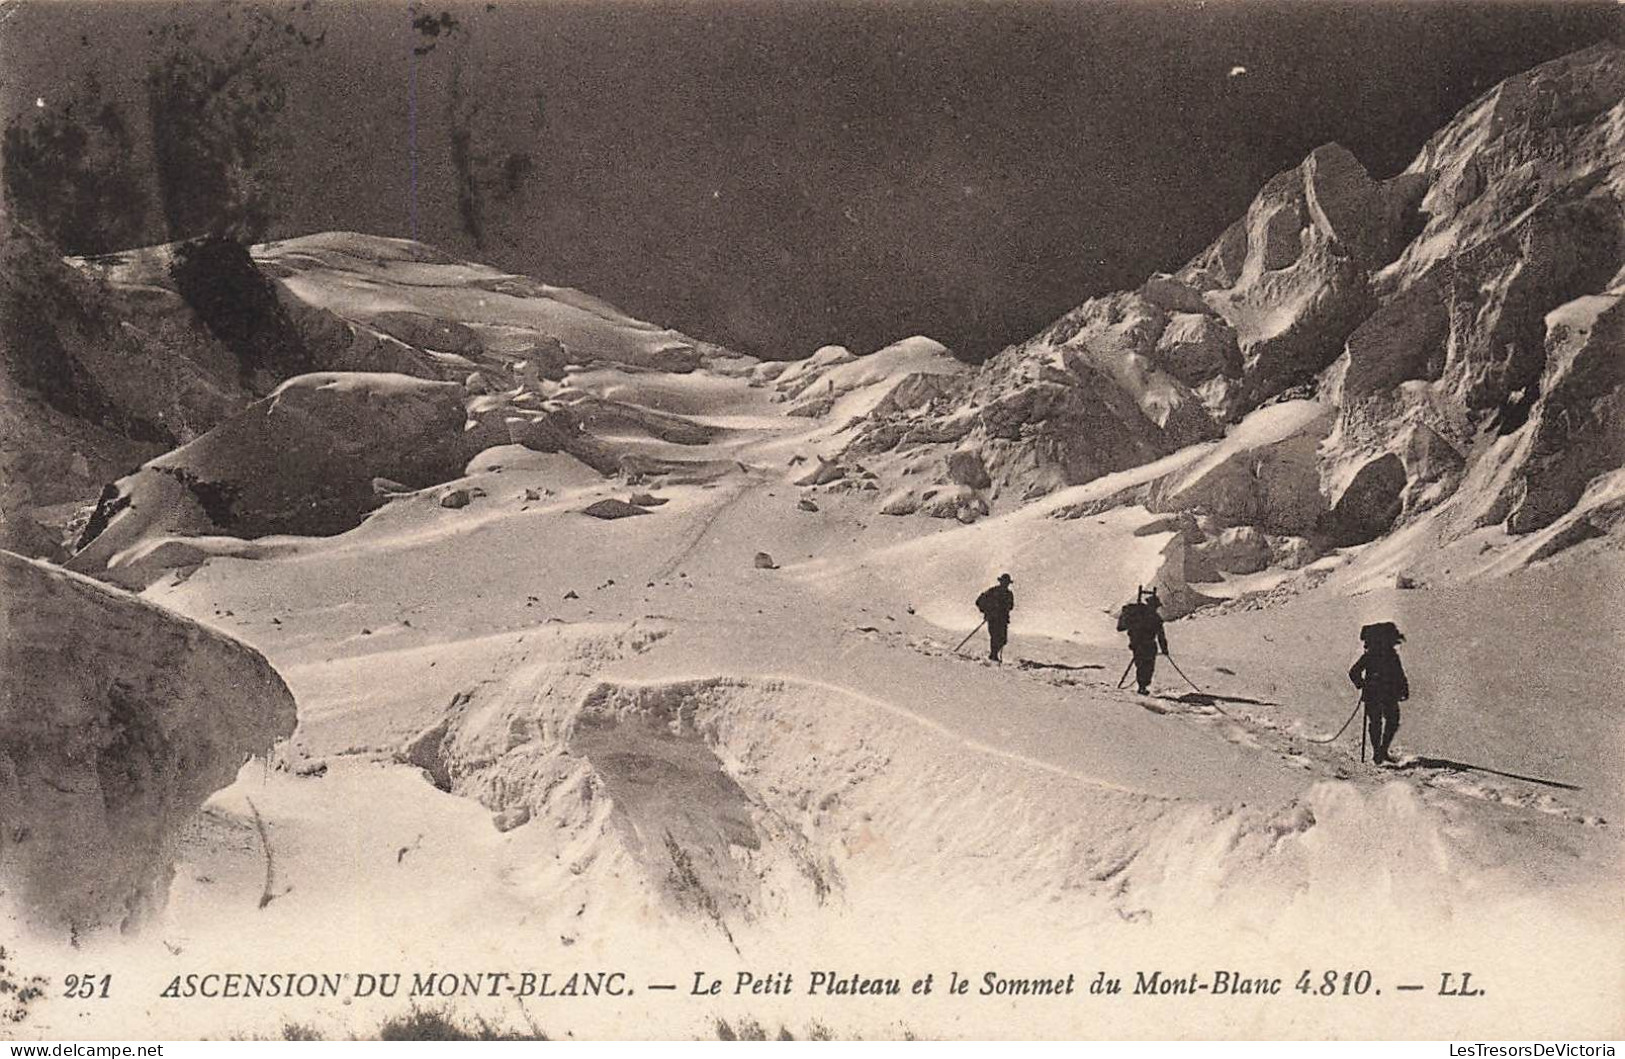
(1264, 474)
(299, 461)
(824, 473)
(1238, 550)
(950, 501)
(900, 502)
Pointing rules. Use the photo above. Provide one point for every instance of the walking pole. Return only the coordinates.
(973, 632)
(1363, 727)
(1125, 671)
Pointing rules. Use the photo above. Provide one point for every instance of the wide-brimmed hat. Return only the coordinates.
(1005, 579)
(1381, 632)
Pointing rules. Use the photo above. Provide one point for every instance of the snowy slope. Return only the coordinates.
(828, 769)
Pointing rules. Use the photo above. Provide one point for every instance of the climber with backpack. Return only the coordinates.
(996, 604)
(1145, 635)
(1380, 677)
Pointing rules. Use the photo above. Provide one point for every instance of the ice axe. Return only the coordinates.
(1125, 671)
(973, 632)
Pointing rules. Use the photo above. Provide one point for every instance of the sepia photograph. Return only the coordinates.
(835, 520)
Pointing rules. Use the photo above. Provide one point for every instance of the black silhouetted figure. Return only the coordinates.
(1381, 680)
(996, 604)
(1145, 635)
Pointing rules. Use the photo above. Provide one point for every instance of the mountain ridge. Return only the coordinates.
(1461, 301)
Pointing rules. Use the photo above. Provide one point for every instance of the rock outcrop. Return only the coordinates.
(85, 397)
(117, 720)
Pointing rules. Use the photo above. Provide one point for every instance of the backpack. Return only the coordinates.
(1384, 675)
(1136, 618)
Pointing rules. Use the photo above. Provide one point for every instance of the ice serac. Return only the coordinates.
(1080, 401)
(1195, 348)
(1577, 431)
(117, 720)
(1456, 321)
(1131, 376)
(1488, 373)
(1119, 345)
(1291, 278)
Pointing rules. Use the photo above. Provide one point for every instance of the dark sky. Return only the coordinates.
(777, 175)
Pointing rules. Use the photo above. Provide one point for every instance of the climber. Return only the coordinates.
(1381, 680)
(1145, 634)
(996, 604)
